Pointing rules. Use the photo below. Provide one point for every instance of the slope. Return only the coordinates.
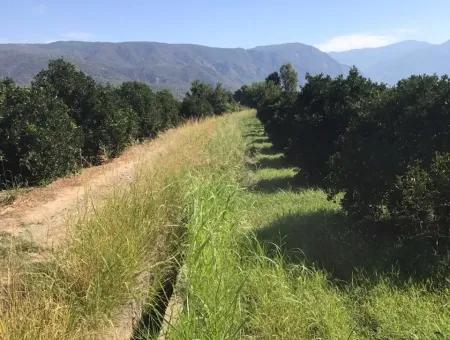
(391, 63)
(172, 66)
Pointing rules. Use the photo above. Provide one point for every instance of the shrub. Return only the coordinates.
(387, 149)
(204, 100)
(38, 139)
(169, 107)
(66, 120)
(142, 100)
(113, 124)
(420, 199)
(392, 158)
(78, 92)
(196, 102)
(321, 114)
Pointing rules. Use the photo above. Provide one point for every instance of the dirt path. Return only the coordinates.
(41, 215)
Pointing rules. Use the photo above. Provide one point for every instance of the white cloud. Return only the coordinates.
(354, 41)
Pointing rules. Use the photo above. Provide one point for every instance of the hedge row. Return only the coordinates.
(65, 120)
(386, 148)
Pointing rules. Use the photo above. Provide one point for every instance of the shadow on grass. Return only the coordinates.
(259, 139)
(255, 132)
(261, 148)
(275, 184)
(324, 239)
(270, 162)
(329, 240)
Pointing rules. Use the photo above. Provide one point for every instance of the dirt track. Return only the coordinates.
(41, 215)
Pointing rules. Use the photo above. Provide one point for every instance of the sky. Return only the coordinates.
(331, 25)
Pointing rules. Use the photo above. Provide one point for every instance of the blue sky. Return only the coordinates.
(327, 24)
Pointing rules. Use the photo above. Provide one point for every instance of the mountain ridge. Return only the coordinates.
(164, 65)
(393, 62)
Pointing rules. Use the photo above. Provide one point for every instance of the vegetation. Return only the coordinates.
(335, 226)
(122, 252)
(271, 261)
(66, 120)
(171, 66)
(38, 139)
(260, 258)
(203, 100)
(386, 149)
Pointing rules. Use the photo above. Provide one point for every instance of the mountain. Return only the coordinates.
(393, 62)
(161, 65)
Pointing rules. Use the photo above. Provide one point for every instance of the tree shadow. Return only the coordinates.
(325, 239)
(259, 139)
(263, 150)
(276, 184)
(270, 162)
(329, 240)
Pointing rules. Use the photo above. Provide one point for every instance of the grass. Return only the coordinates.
(116, 255)
(267, 259)
(10, 195)
(211, 281)
(260, 257)
(329, 281)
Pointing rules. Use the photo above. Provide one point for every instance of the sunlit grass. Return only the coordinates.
(284, 264)
(261, 257)
(117, 254)
(312, 277)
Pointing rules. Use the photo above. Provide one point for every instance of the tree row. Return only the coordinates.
(65, 120)
(387, 149)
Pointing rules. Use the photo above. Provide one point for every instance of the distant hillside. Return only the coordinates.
(394, 62)
(172, 66)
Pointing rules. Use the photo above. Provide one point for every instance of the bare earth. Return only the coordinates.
(41, 215)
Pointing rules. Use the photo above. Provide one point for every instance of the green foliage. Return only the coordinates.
(203, 100)
(144, 103)
(385, 148)
(38, 139)
(66, 120)
(253, 95)
(196, 102)
(274, 77)
(221, 100)
(288, 78)
(72, 86)
(392, 161)
(169, 108)
(320, 116)
(69, 119)
(325, 279)
(420, 198)
(113, 124)
(78, 92)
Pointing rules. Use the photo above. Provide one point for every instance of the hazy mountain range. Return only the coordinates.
(175, 66)
(172, 66)
(394, 62)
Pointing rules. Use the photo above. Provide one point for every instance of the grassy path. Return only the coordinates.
(116, 255)
(268, 260)
(322, 280)
(260, 258)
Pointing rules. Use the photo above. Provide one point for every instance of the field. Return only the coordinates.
(216, 225)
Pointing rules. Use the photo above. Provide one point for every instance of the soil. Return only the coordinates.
(41, 215)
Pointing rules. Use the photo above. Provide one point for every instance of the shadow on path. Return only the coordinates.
(329, 240)
(324, 239)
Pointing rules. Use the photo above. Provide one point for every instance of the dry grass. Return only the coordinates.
(116, 254)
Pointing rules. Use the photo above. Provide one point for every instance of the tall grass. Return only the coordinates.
(313, 277)
(211, 281)
(116, 255)
(261, 258)
(274, 261)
